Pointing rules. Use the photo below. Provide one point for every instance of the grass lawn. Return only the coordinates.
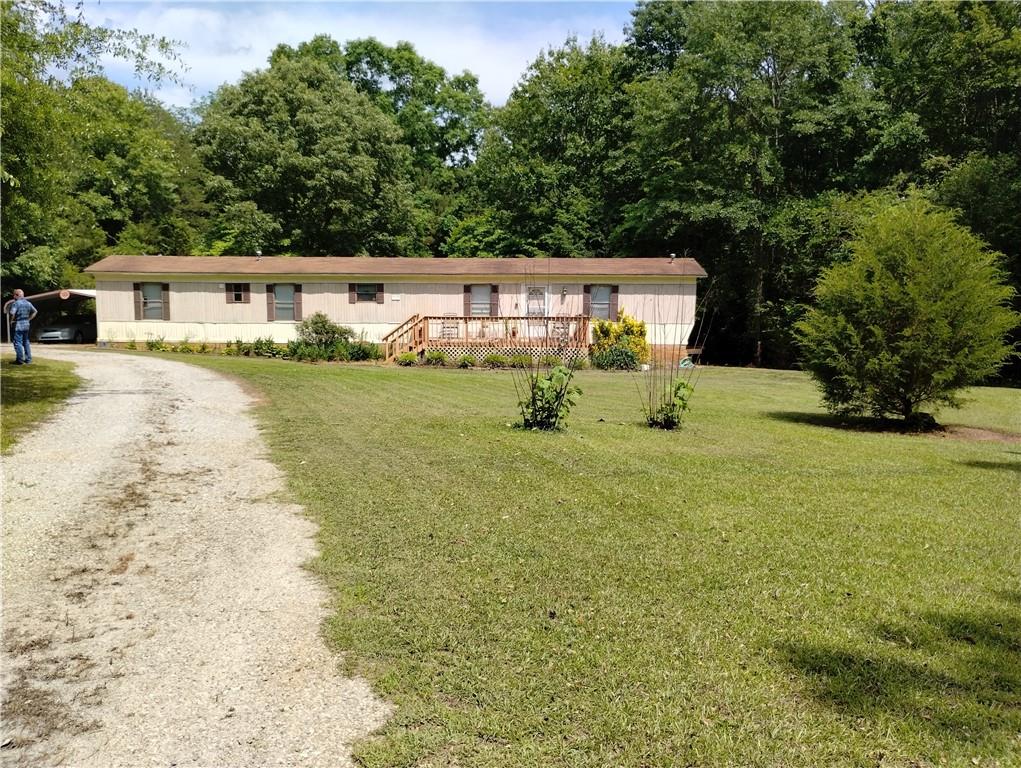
(30, 393)
(762, 588)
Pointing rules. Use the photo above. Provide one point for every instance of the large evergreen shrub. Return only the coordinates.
(920, 311)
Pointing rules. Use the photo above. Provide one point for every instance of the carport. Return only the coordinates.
(52, 304)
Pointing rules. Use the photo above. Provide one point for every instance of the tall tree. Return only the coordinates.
(441, 118)
(954, 68)
(127, 178)
(763, 102)
(45, 49)
(547, 177)
(309, 151)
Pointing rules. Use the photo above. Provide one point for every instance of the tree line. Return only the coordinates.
(755, 137)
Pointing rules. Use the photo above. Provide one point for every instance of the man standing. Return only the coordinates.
(21, 312)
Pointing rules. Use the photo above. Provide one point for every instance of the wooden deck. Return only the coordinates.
(563, 335)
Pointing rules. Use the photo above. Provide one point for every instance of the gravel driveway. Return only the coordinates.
(155, 610)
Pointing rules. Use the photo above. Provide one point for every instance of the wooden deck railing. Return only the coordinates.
(558, 331)
(407, 337)
(417, 333)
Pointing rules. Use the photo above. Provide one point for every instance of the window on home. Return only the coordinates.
(152, 301)
(601, 301)
(365, 292)
(238, 293)
(283, 301)
(481, 296)
(536, 302)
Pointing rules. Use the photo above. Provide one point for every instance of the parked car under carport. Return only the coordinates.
(71, 329)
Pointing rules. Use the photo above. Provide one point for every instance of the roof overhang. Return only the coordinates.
(49, 298)
(65, 294)
(340, 267)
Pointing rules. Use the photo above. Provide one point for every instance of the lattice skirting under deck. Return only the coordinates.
(453, 350)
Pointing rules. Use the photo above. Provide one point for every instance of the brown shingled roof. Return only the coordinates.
(358, 265)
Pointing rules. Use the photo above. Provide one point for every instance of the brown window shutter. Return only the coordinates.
(138, 300)
(166, 300)
(494, 300)
(467, 301)
(229, 291)
(352, 293)
(246, 293)
(379, 293)
(297, 302)
(614, 302)
(586, 302)
(271, 308)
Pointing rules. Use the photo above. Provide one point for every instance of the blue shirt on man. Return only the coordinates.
(21, 311)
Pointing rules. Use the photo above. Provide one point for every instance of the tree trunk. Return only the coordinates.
(760, 276)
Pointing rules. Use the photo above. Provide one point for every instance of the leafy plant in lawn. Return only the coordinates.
(919, 312)
(408, 358)
(467, 361)
(669, 381)
(667, 415)
(546, 398)
(436, 357)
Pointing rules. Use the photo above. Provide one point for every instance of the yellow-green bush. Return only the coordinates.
(626, 332)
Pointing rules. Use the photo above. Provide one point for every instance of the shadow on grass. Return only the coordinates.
(1009, 466)
(950, 675)
(853, 423)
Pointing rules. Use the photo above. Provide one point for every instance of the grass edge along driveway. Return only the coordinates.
(31, 393)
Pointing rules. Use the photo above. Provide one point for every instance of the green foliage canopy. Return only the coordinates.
(301, 144)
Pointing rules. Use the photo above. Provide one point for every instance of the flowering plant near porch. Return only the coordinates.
(619, 344)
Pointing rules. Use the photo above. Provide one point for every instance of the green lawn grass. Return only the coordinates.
(761, 588)
(30, 393)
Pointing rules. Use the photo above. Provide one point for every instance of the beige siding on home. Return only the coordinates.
(400, 301)
(668, 310)
(658, 303)
(199, 310)
(114, 301)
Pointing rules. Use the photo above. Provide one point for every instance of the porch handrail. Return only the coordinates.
(401, 328)
(407, 334)
(481, 330)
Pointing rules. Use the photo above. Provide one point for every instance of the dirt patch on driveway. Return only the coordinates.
(155, 607)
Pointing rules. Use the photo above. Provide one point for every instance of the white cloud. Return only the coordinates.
(223, 40)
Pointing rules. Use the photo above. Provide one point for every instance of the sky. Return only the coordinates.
(222, 40)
